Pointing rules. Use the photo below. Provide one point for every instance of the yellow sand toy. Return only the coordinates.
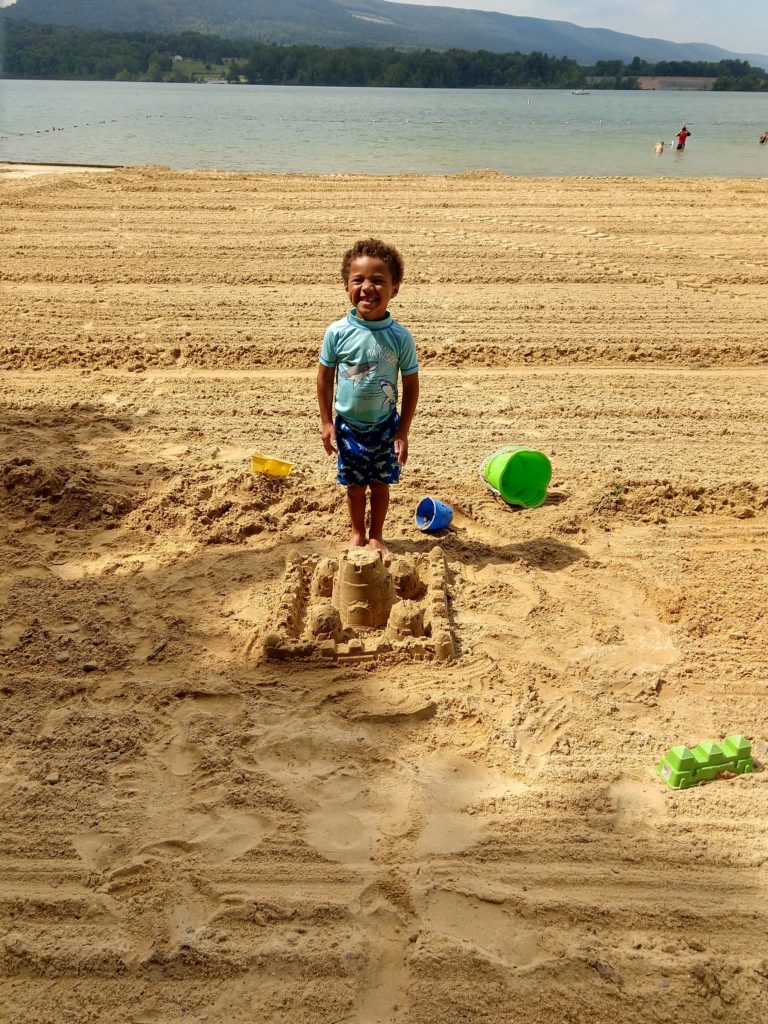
(272, 467)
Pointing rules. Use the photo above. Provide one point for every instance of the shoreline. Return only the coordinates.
(10, 169)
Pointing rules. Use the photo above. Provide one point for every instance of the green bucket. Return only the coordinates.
(519, 475)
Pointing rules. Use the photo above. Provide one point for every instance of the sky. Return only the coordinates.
(737, 25)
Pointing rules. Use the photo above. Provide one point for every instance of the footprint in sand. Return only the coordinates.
(346, 811)
(638, 804)
(449, 786)
(229, 834)
(220, 836)
(96, 849)
(54, 718)
(8, 782)
(352, 816)
(646, 644)
(494, 929)
(11, 631)
(180, 758)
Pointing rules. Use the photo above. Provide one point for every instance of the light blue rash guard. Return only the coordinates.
(367, 355)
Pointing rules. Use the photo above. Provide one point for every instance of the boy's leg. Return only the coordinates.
(356, 506)
(379, 506)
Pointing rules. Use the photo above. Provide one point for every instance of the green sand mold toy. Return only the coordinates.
(681, 767)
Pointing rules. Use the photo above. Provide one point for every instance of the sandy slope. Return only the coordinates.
(190, 835)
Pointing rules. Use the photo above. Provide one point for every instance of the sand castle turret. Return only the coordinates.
(405, 619)
(405, 578)
(325, 623)
(363, 591)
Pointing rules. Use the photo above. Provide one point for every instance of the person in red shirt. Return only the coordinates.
(682, 137)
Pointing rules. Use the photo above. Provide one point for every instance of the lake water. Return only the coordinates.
(340, 130)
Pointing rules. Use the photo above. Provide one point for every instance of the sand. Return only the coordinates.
(193, 833)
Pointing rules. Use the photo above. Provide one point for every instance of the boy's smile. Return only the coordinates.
(370, 287)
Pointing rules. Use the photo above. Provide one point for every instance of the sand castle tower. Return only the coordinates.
(406, 619)
(363, 591)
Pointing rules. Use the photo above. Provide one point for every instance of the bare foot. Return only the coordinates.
(356, 540)
(378, 545)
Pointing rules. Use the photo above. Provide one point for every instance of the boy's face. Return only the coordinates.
(370, 287)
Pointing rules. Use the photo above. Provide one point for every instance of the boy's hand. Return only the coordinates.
(329, 438)
(401, 448)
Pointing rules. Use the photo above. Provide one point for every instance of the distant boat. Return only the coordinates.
(579, 92)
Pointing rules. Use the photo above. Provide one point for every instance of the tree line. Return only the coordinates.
(50, 52)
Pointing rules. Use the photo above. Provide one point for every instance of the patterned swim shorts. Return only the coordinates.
(367, 455)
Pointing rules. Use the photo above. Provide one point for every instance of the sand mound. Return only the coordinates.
(214, 506)
(660, 500)
(58, 492)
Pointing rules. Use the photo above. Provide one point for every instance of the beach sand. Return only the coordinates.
(193, 833)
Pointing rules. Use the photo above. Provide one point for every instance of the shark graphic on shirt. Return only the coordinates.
(359, 372)
(389, 392)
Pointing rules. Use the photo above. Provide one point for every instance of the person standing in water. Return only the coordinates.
(682, 137)
(658, 149)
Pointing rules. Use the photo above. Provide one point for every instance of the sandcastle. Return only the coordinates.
(362, 607)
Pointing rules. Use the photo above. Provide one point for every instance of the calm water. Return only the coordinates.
(276, 128)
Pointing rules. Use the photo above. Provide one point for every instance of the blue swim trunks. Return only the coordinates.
(367, 455)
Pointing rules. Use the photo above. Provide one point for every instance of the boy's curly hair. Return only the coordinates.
(379, 250)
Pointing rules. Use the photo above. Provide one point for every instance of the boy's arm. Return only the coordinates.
(326, 377)
(407, 410)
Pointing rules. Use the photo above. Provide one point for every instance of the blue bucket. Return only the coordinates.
(432, 514)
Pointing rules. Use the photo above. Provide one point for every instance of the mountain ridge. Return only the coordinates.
(377, 23)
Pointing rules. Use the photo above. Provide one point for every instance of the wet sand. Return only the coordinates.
(193, 833)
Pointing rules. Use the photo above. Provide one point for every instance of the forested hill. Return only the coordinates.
(51, 52)
(376, 23)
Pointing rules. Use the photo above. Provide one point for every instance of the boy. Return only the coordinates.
(362, 355)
